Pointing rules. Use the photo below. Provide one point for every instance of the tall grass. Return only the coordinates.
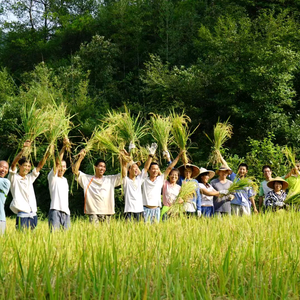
(228, 258)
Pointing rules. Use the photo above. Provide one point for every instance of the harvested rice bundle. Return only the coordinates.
(59, 124)
(181, 133)
(161, 128)
(33, 124)
(186, 194)
(293, 199)
(241, 184)
(129, 129)
(290, 155)
(222, 133)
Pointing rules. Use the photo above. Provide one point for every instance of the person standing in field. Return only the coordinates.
(222, 205)
(293, 179)
(133, 179)
(240, 205)
(263, 188)
(189, 172)
(151, 189)
(24, 201)
(276, 197)
(59, 213)
(4, 189)
(98, 189)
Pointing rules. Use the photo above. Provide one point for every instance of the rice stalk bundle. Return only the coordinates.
(160, 130)
(59, 124)
(293, 199)
(127, 128)
(187, 192)
(222, 133)
(33, 124)
(290, 155)
(181, 133)
(241, 184)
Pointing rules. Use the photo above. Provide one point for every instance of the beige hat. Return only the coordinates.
(271, 183)
(202, 171)
(131, 163)
(195, 170)
(224, 168)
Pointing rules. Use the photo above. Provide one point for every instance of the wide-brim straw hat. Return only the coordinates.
(195, 170)
(131, 163)
(211, 173)
(224, 168)
(271, 183)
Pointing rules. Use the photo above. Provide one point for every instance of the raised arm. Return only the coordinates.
(19, 155)
(43, 161)
(148, 162)
(173, 164)
(76, 166)
(60, 157)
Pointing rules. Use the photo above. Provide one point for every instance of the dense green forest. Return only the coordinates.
(213, 59)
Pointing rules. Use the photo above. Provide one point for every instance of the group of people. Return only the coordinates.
(142, 189)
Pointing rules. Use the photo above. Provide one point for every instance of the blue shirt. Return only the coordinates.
(4, 189)
(242, 197)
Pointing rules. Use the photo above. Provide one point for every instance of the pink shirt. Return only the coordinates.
(170, 193)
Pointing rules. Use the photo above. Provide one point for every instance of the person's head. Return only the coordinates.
(267, 171)
(173, 176)
(61, 169)
(188, 171)
(133, 169)
(3, 168)
(100, 167)
(204, 177)
(298, 166)
(277, 186)
(154, 169)
(243, 169)
(223, 171)
(24, 166)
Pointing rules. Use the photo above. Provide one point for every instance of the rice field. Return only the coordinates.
(230, 258)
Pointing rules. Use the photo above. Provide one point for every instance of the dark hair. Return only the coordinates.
(243, 165)
(266, 167)
(175, 170)
(23, 160)
(153, 164)
(98, 161)
(201, 175)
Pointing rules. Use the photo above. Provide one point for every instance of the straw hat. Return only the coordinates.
(203, 170)
(224, 168)
(195, 170)
(271, 183)
(131, 163)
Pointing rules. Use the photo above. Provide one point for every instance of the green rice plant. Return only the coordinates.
(242, 183)
(33, 124)
(293, 198)
(222, 133)
(127, 127)
(181, 133)
(160, 130)
(186, 193)
(290, 155)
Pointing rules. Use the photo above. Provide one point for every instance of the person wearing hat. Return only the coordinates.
(222, 204)
(276, 197)
(293, 179)
(133, 179)
(190, 172)
(151, 190)
(207, 192)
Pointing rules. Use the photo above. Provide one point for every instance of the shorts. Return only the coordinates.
(58, 219)
(207, 211)
(96, 218)
(240, 210)
(26, 222)
(151, 214)
(135, 216)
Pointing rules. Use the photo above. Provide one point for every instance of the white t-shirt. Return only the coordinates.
(99, 193)
(152, 191)
(133, 193)
(22, 191)
(206, 200)
(170, 193)
(59, 192)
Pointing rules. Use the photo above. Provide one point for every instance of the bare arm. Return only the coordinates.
(173, 164)
(61, 154)
(76, 166)
(148, 163)
(123, 168)
(209, 193)
(43, 161)
(19, 155)
(260, 203)
(294, 171)
(253, 203)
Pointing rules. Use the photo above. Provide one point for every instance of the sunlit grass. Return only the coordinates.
(231, 258)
